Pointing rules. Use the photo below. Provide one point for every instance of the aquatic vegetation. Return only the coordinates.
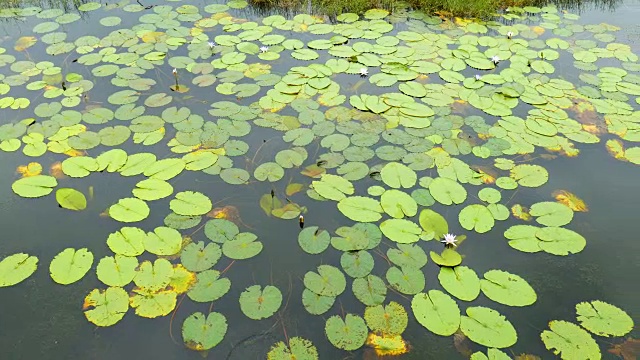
(445, 122)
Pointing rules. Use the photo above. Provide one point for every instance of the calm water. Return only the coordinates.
(40, 319)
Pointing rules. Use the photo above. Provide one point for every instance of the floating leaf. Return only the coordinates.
(201, 332)
(298, 348)
(16, 268)
(198, 257)
(34, 186)
(258, 303)
(551, 213)
(71, 199)
(508, 289)
(70, 265)
(460, 281)
(152, 189)
(398, 175)
(360, 208)
(106, 307)
(153, 304)
(476, 217)
(488, 327)
(333, 187)
(447, 191)
(387, 345)
(628, 350)
(603, 319)
(152, 277)
(398, 204)
(437, 312)
(190, 203)
(316, 304)
(163, 241)
(313, 240)
(434, 224)
(448, 257)
(370, 290)
(401, 230)
(529, 175)
(209, 286)
(570, 200)
(129, 210)
(328, 281)
(391, 319)
(243, 246)
(117, 270)
(406, 280)
(570, 341)
(348, 334)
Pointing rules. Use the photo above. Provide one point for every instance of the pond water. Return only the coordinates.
(418, 147)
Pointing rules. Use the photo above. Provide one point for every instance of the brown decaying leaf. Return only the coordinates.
(628, 350)
(527, 357)
(521, 212)
(55, 170)
(228, 212)
(570, 200)
(462, 344)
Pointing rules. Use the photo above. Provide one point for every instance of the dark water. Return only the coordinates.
(42, 320)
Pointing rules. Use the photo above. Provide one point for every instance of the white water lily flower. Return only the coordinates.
(175, 71)
(495, 59)
(364, 72)
(211, 44)
(509, 34)
(264, 49)
(449, 239)
(477, 76)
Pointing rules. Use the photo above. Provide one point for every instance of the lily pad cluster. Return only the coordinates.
(415, 133)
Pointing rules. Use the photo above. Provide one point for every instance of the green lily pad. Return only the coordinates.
(348, 334)
(370, 290)
(201, 333)
(152, 189)
(357, 263)
(16, 268)
(508, 289)
(397, 175)
(460, 281)
(448, 257)
(447, 191)
(316, 304)
(313, 240)
(117, 271)
(153, 304)
(163, 241)
(154, 276)
(34, 186)
(529, 175)
(407, 255)
(298, 348)
(551, 213)
(390, 320)
(603, 319)
(129, 210)
(476, 217)
(437, 312)
(70, 265)
(198, 257)
(242, 246)
(258, 303)
(435, 225)
(401, 230)
(406, 280)
(128, 241)
(360, 208)
(209, 286)
(106, 307)
(333, 187)
(570, 341)
(328, 281)
(191, 203)
(71, 199)
(488, 327)
(398, 204)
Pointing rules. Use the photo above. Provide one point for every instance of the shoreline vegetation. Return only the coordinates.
(479, 9)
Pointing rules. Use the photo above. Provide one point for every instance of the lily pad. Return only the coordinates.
(34, 186)
(106, 307)
(201, 332)
(508, 289)
(129, 210)
(570, 341)
(258, 303)
(71, 199)
(348, 334)
(488, 327)
(603, 319)
(70, 265)
(437, 312)
(16, 268)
